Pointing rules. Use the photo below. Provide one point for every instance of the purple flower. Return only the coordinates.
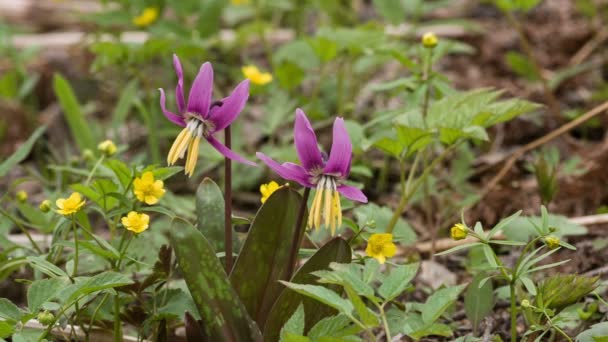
(327, 176)
(201, 117)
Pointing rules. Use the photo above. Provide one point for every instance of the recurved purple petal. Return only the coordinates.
(176, 119)
(199, 99)
(288, 171)
(223, 115)
(179, 89)
(352, 193)
(341, 151)
(226, 152)
(306, 142)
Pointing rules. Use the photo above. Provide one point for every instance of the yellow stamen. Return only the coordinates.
(336, 214)
(327, 209)
(192, 155)
(314, 219)
(338, 207)
(173, 155)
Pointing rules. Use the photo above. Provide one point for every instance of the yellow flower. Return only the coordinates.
(45, 206)
(429, 40)
(21, 196)
(148, 190)
(239, 2)
(107, 147)
(255, 75)
(70, 205)
(268, 189)
(552, 242)
(136, 222)
(380, 247)
(459, 231)
(147, 17)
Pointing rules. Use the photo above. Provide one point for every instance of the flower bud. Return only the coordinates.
(459, 231)
(429, 40)
(87, 154)
(525, 304)
(552, 242)
(107, 147)
(45, 206)
(21, 196)
(46, 318)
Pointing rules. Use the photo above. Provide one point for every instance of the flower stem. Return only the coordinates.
(228, 203)
(74, 228)
(513, 311)
(295, 243)
(94, 169)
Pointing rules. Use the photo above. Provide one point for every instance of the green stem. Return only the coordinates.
(407, 196)
(228, 203)
(99, 161)
(75, 230)
(117, 322)
(513, 311)
(387, 331)
(23, 230)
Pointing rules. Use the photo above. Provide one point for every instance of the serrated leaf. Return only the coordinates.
(329, 326)
(336, 250)
(9, 311)
(21, 153)
(295, 324)
(46, 267)
(397, 281)
(41, 291)
(323, 295)
(264, 258)
(101, 281)
(222, 312)
(438, 302)
(366, 316)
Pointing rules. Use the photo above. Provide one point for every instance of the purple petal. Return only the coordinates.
(306, 142)
(223, 115)
(341, 151)
(352, 193)
(288, 171)
(199, 99)
(226, 152)
(179, 89)
(176, 119)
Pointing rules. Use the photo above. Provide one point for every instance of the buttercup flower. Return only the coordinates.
(268, 189)
(201, 117)
(70, 205)
(147, 17)
(255, 75)
(107, 147)
(327, 175)
(552, 241)
(21, 196)
(459, 231)
(148, 190)
(380, 247)
(429, 40)
(136, 222)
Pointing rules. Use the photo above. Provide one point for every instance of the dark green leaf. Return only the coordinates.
(9, 311)
(41, 291)
(73, 114)
(264, 258)
(210, 213)
(224, 316)
(478, 300)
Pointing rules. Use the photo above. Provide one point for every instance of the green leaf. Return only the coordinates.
(210, 213)
(221, 311)
(594, 334)
(73, 113)
(46, 267)
(209, 16)
(21, 152)
(121, 172)
(336, 250)
(522, 66)
(397, 281)
(522, 228)
(402, 233)
(392, 10)
(438, 302)
(128, 94)
(6, 329)
(503, 223)
(101, 281)
(528, 284)
(490, 256)
(41, 291)
(366, 316)
(264, 258)
(457, 248)
(333, 326)
(295, 324)
(9, 311)
(478, 300)
(323, 295)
